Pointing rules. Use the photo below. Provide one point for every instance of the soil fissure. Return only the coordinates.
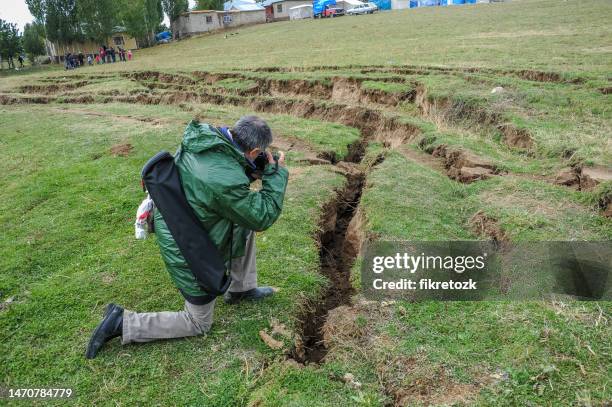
(336, 257)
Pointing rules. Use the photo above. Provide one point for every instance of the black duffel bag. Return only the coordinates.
(162, 180)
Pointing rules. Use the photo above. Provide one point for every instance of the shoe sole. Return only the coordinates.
(232, 301)
(88, 354)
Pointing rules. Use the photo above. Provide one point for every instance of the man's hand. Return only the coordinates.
(281, 158)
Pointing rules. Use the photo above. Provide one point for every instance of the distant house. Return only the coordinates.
(241, 5)
(119, 38)
(202, 21)
(278, 10)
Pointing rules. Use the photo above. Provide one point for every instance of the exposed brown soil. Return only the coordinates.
(287, 144)
(121, 150)
(160, 76)
(355, 116)
(584, 178)
(606, 90)
(538, 76)
(270, 341)
(484, 225)
(355, 235)
(605, 204)
(464, 166)
(336, 258)
(180, 89)
(294, 87)
(349, 90)
(339, 89)
(16, 100)
(516, 137)
(531, 75)
(53, 88)
(570, 177)
(339, 243)
(373, 123)
(590, 177)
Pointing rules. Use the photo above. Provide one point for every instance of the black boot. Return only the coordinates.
(110, 327)
(250, 295)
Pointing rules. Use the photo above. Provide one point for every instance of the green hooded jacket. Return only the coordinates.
(213, 175)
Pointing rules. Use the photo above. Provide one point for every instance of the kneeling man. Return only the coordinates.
(213, 164)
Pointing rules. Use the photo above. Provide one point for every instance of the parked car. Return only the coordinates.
(331, 12)
(366, 8)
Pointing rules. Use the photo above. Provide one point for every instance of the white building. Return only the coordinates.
(202, 21)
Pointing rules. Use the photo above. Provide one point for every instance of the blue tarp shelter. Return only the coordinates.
(318, 6)
(382, 4)
(164, 35)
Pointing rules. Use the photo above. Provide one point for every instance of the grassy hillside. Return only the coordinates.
(575, 36)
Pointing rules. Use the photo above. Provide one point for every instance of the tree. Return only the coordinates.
(10, 42)
(98, 18)
(142, 18)
(38, 8)
(162, 27)
(62, 22)
(173, 9)
(33, 42)
(209, 4)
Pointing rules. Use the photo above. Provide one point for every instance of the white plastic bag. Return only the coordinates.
(141, 229)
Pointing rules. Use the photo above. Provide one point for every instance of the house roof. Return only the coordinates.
(267, 3)
(187, 13)
(242, 5)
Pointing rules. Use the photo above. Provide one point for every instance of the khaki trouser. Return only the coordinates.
(194, 319)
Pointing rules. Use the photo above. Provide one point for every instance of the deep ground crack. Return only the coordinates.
(336, 258)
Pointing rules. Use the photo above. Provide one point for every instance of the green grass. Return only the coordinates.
(27, 70)
(390, 87)
(235, 84)
(67, 206)
(107, 86)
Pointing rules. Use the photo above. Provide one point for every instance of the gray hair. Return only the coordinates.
(252, 132)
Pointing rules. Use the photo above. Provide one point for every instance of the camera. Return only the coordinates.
(260, 164)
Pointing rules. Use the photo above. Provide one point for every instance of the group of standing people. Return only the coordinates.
(72, 61)
(110, 55)
(103, 56)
